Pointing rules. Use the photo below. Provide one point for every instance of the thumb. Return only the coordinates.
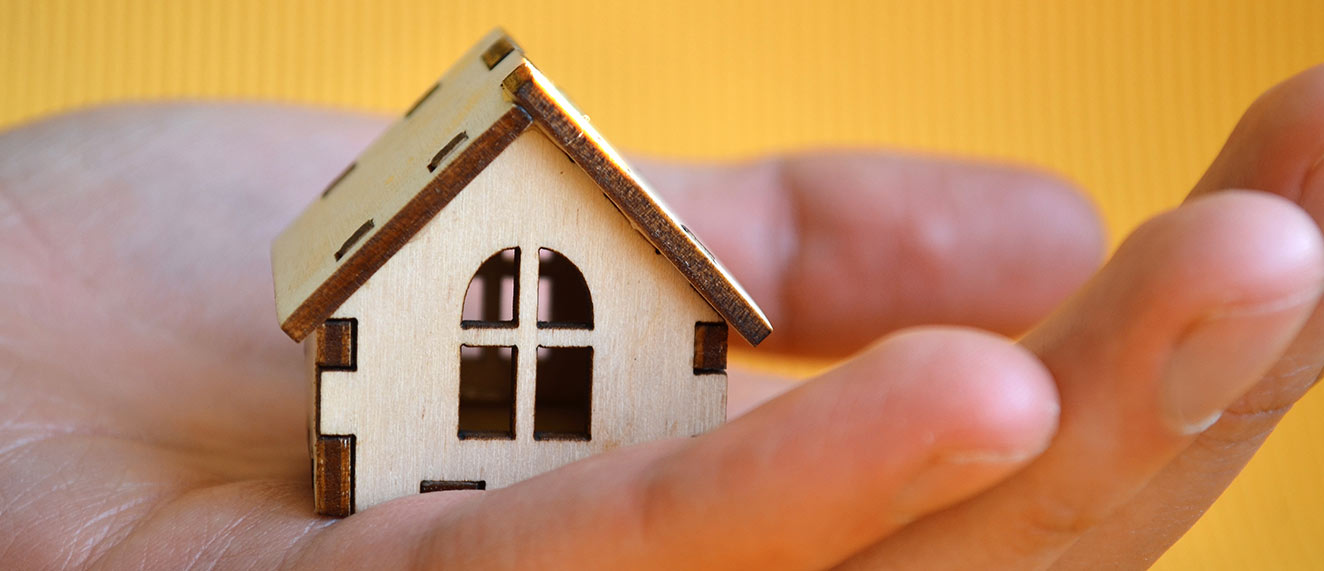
(918, 422)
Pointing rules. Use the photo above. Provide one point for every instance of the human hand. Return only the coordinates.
(152, 413)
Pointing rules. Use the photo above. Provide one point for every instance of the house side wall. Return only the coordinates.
(401, 401)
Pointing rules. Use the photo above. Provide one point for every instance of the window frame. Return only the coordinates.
(524, 334)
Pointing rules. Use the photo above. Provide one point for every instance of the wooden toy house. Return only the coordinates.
(489, 292)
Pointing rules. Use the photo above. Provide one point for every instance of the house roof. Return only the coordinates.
(409, 174)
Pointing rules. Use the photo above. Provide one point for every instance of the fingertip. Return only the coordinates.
(1049, 238)
(994, 398)
(1202, 298)
(983, 405)
(1071, 214)
(1263, 258)
(1290, 109)
(1230, 248)
(1276, 143)
(1035, 238)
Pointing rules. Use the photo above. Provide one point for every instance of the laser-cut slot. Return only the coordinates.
(497, 52)
(446, 150)
(336, 349)
(492, 299)
(709, 348)
(426, 486)
(563, 400)
(424, 97)
(487, 392)
(353, 239)
(339, 177)
(333, 474)
(564, 300)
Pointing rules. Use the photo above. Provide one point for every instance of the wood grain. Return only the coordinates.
(304, 300)
(392, 185)
(640, 354)
(333, 475)
(335, 344)
(367, 259)
(401, 401)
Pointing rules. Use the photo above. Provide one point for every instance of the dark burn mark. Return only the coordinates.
(498, 51)
(709, 348)
(333, 474)
(339, 178)
(403, 225)
(353, 239)
(441, 155)
(420, 101)
(427, 486)
(336, 350)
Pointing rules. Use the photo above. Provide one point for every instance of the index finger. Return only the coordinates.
(840, 248)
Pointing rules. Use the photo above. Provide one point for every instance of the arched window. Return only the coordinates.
(490, 373)
(492, 299)
(563, 297)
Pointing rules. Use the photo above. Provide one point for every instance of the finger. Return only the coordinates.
(747, 390)
(840, 248)
(1192, 310)
(921, 420)
(1277, 147)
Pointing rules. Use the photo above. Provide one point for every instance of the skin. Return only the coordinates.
(151, 413)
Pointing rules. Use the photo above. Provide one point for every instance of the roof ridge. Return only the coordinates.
(534, 100)
(566, 127)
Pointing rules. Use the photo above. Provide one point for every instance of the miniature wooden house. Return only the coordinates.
(489, 292)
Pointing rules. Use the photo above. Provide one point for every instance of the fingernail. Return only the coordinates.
(1225, 355)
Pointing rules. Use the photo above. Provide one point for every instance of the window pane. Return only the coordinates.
(564, 397)
(563, 296)
(487, 392)
(493, 295)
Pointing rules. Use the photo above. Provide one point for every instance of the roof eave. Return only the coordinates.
(382, 245)
(631, 195)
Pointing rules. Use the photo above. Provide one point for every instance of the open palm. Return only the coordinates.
(151, 412)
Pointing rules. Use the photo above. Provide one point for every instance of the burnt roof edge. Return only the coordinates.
(650, 217)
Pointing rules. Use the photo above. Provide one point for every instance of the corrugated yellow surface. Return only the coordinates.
(1130, 98)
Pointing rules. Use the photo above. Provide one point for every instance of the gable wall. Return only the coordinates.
(401, 401)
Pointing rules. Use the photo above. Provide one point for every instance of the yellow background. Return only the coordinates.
(1129, 98)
